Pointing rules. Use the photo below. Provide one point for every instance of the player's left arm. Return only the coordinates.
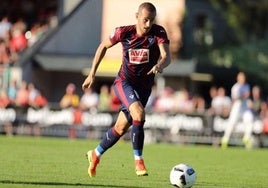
(164, 59)
(99, 54)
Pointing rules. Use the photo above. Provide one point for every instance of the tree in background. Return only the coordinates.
(246, 46)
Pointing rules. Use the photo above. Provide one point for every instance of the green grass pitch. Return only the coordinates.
(60, 162)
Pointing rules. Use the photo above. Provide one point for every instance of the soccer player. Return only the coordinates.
(145, 53)
(241, 110)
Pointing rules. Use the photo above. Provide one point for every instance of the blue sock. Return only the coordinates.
(137, 138)
(108, 140)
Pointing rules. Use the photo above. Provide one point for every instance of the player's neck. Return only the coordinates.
(139, 32)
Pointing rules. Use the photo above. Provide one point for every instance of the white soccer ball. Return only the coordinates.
(182, 176)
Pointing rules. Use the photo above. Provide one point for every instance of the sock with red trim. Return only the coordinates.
(137, 138)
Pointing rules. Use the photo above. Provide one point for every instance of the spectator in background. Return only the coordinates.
(5, 27)
(104, 98)
(70, 99)
(263, 110)
(260, 107)
(198, 104)
(40, 100)
(36, 98)
(18, 42)
(37, 101)
(256, 100)
(35, 33)
(33, 93)
(52, 20)
(89, 100)
(6, 56)
(166, 101)
(22, 97)
(183, 101)
(221, 104)
(5, 102)
(20, 24)
(212, 93)
(12, 90)
(263, 115)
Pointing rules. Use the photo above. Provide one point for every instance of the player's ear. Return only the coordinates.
(137, 15)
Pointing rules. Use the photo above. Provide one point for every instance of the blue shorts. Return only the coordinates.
(128, 94)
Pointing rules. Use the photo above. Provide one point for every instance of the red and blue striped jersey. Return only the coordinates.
(140, 53)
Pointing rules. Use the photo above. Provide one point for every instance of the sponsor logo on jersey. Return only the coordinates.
(138, 56)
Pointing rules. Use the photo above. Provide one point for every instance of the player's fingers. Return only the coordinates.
(159, 71)
(150, 72)
(88, 85)
(84, 86)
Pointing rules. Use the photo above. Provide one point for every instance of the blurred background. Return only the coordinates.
(49, 46)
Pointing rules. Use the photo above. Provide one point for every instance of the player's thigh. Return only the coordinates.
(126, 93)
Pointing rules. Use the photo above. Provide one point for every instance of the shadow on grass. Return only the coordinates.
(62, 184)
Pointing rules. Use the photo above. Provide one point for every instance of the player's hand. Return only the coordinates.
(88, 82)
(155, 70)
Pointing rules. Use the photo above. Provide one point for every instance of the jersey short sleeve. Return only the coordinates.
(161, 35)
(116, 35)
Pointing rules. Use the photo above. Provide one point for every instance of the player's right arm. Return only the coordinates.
(100, 53)
(164, 59)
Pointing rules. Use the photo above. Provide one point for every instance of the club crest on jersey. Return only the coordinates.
(138, 56)
(151, 41)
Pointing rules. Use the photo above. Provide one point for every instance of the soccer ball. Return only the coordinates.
(182, 176)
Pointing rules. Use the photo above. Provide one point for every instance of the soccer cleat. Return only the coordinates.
(140, 168)
(224, 143)
(93, 162)
(248, 143)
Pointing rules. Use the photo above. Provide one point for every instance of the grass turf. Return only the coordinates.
(60, 162)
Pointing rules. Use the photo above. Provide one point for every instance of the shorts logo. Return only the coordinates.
(138, 56)
(131, 96)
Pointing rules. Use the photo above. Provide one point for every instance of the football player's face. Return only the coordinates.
(145, 20)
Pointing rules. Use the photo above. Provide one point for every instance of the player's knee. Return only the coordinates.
(138, 115)
(137, 112)
(121, 130)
